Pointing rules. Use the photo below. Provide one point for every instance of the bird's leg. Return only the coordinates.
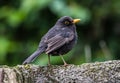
(49, 60)
(65, 64)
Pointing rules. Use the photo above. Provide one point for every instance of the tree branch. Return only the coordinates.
(98, 72)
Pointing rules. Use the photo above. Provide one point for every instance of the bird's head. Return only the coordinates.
(67, 21)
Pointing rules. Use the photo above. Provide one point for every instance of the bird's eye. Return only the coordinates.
(67, 22)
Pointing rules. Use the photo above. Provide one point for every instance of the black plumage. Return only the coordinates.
(59, 40)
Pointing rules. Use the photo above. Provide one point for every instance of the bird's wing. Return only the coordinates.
(57, 41)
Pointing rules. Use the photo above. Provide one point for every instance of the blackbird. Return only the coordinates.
(59, 40)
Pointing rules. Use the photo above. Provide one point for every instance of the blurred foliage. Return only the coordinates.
(24, 22)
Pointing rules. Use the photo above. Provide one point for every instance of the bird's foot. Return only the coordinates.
(49, 64)
(65, 64)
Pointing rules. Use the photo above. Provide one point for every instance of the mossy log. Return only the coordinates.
(98, 72)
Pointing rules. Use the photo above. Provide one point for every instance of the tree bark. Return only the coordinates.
(98, 72)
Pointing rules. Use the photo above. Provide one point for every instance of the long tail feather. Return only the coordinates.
(33, 56)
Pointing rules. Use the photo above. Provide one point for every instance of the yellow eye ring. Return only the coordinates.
(67, 22)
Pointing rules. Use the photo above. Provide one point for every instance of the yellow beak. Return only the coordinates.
(76, 20)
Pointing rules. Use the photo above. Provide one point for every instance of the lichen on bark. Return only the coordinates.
(98, 72)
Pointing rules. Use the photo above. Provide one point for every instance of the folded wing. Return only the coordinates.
(57, 42)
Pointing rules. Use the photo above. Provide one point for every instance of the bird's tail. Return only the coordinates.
(33, 56)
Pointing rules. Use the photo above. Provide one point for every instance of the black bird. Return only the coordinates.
(59, 40)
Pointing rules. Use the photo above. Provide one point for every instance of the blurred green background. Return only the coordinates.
(24, 22)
